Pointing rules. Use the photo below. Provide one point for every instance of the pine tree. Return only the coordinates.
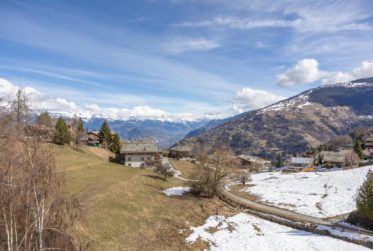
(364, 200)
(320, 159)
(45, 119)
(115, 144)
(62, 134)
(358, 148)
(105, 134)
(279, 162)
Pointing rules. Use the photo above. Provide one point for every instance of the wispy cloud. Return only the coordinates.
(302, 24)
(131, 60)
(184, 44)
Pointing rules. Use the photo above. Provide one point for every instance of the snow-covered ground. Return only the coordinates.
(246, 232)
(319, 194)
(176, 191)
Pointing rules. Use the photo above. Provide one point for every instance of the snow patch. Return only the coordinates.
(348, 234)
(246, 232)
(176, 191)
(319, 194)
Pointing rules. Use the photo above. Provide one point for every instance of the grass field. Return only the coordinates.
(185, 167)
(124, 208)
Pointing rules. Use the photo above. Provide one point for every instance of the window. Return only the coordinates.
(149, 158)
(128, 158)
(142, 158)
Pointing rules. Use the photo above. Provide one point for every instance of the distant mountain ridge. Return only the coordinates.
(295, 124)
(165, 133)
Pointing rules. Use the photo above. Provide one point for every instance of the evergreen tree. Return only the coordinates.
(364, 200)
(319, 160)
(62, 134)
(358, 148)
(115, 144)
(279, 162)
(105, 134)
(45, 119)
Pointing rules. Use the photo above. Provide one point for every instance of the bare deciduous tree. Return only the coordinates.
(211, 171)
(33, 213)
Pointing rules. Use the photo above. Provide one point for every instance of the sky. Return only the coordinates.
(178, 59)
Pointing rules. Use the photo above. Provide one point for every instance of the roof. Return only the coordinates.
(298, 160)
(139, 146)
(337, 157)
(180, 148)
(369, 139)
(253, 158)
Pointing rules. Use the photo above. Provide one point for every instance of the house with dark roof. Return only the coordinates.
(180, 151)
(138, 153)
(253, 163)
(91, 139)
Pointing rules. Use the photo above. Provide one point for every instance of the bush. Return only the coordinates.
(165, 170)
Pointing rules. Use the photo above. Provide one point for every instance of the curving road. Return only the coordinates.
(286, 214)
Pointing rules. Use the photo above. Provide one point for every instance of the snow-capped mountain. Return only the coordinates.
(295, 124)
(165, 133)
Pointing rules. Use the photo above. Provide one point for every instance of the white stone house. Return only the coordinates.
(138, 153)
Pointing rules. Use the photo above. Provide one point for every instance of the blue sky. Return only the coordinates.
(180, 58)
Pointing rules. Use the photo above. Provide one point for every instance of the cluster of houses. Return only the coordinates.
(144, 153)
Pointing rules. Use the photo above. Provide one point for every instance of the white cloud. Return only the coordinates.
(249, 99)
(182, 44)
(41, 102)
(364, 70)
(307, 71)
(7, 88)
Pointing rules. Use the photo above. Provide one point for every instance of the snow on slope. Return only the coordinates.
(319, 194)
(246, 232)
(302, 99)
(176, 191)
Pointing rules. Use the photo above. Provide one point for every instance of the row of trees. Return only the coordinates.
(64, 134)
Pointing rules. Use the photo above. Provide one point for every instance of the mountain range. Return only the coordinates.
(165, 133)
(295, 124)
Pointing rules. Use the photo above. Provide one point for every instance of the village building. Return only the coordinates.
(138, 153)
(300, 163)
(91, 139)
(254, 163)
(336, 159)
(180, 151)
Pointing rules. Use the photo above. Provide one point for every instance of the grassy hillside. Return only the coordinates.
(124, 208)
